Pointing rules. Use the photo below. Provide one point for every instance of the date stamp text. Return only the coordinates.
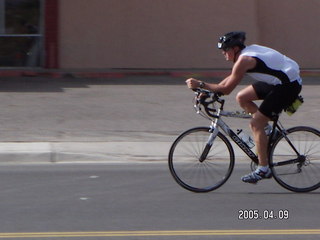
(255, 214)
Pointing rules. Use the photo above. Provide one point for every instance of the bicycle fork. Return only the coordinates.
(213, 134)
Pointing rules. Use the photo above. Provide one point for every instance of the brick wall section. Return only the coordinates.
(51, 34)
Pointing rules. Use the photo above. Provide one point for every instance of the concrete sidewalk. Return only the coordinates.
(112, 119)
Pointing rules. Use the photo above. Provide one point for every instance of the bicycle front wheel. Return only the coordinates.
(196, 166)
(297, 172)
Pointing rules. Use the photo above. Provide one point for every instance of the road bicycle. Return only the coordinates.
(202, 159)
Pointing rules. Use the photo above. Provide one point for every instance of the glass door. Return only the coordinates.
(21, 33)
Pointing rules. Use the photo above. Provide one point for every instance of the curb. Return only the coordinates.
(88, 152)
(98, 152)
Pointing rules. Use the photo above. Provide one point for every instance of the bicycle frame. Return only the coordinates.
(217, 123)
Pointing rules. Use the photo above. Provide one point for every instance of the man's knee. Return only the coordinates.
(241, 98)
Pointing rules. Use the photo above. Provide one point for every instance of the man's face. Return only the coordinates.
(228, 54)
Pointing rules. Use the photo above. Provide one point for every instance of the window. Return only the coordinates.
(21, 38)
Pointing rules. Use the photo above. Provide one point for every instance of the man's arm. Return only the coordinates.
(227, 85)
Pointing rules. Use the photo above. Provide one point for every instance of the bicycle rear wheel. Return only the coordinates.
(302, 175)
(188, 166)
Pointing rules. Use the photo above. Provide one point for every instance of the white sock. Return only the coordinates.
(264, 168)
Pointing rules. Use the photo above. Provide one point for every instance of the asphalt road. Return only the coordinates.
(142, 201)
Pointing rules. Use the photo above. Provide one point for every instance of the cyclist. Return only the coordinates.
(278, 85)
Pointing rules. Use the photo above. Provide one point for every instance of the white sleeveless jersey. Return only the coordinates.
(272, 66)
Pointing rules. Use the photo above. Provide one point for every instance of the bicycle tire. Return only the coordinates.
(193, 174)
(296, 178)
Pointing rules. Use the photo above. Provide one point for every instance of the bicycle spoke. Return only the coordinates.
(193, 173)
(303, 175)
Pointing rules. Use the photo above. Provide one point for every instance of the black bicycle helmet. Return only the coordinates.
(232, 39)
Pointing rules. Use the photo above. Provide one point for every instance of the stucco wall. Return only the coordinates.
(292, 26)
(181, 33)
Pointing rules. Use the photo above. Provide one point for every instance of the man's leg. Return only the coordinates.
(257, 124)
(245, 99)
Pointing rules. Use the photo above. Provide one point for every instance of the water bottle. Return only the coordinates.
(294, 106)
(246, 138)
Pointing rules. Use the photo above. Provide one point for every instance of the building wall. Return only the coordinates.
(181, 33)
(292, 26)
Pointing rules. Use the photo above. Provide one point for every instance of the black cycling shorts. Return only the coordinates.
(276, 97)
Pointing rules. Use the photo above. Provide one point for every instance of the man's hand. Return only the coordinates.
(193, 83)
